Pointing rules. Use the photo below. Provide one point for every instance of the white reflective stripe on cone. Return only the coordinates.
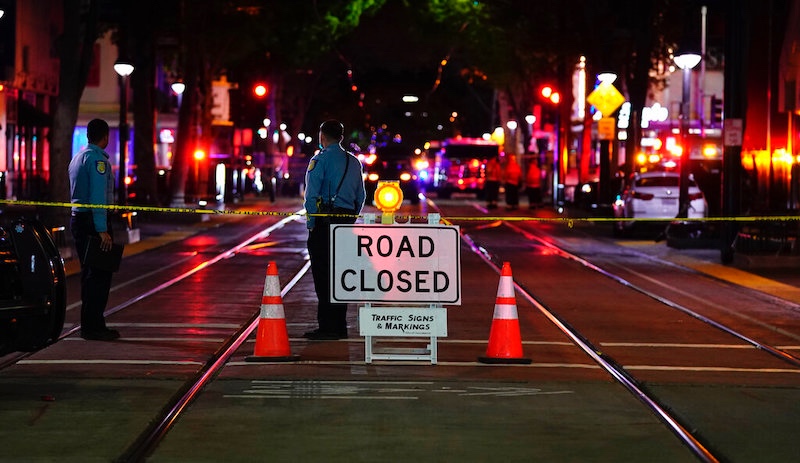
(505, 311)
(272, 311)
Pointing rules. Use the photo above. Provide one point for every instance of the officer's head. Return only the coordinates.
(330, 132)
(97, 132)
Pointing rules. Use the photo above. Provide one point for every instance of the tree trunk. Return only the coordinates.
(638, 80)
(75, 47)
(144, 110)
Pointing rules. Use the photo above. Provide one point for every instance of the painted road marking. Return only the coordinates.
(107, 362)
(691, 346)
(455, 364)
(155, 339)
(416, 363)
(176, 325)
(374, 390)
(705, 369)
(677, 345)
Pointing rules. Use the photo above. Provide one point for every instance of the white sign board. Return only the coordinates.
(733, 132)
(395, 263)
(403, 321)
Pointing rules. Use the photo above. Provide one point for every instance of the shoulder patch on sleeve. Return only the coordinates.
(312, 164)
(101, 167)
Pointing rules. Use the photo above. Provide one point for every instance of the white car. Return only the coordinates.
(654, 195)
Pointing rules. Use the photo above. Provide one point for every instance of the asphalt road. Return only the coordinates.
(87, 401)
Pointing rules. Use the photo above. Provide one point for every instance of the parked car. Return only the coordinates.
(398, 169)
(32, 285)
(586, 197)
(655, 195)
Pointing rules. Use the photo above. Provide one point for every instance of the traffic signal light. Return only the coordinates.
(716, 111)
(260, 90)
(548, 93)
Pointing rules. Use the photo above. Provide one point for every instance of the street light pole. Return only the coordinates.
(123, 69)
(178, 87)
(686, 62)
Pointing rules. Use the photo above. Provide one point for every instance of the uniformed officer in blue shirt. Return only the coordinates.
(91, 181)
(333, 174)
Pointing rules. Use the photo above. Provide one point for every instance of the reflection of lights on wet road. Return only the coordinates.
(201, 241)
(256, 246)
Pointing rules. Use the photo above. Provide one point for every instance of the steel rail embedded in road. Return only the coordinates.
(774, 351)
(605, 362)
(14, 358)
(147, 441)
(144, 445)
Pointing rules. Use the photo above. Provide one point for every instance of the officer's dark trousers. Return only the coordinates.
(512, 194)
(95, 283)
(332, 318)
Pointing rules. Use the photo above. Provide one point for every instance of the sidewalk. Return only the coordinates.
(752, 270)
(741, 272)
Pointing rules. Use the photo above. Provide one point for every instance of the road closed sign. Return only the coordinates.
(395, 263)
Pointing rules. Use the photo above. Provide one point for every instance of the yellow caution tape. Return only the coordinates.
(570, 221)
(182, 210)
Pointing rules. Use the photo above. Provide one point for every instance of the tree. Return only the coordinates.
(138, 44)
(74, 48)
(281, 38)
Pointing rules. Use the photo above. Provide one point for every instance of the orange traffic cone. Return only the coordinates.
(272, 339)
(505, 343)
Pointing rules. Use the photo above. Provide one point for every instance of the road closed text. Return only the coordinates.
(395, 263)
(419, 281)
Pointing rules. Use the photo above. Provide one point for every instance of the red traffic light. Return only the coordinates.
(549, 93)
(260, 90)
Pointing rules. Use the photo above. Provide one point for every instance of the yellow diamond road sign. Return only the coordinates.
(606, 98)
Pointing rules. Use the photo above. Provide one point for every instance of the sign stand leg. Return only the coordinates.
(367, 349)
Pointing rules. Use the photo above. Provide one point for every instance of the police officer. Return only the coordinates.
(331, 169)
(92, 182)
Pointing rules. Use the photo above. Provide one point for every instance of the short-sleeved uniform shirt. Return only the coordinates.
(91, 181)
(325, 170)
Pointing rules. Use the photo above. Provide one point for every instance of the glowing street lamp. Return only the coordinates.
(178, 87)
(124, 69)
(686, 62)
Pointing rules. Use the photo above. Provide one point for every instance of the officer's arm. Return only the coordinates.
(314, 176)
(361, 193)
(97, 190)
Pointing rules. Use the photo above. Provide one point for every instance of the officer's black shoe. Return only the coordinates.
(102, 335)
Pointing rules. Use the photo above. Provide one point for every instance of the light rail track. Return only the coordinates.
(619, 374)
(148, 440)
(15, 357)
(688, 434)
